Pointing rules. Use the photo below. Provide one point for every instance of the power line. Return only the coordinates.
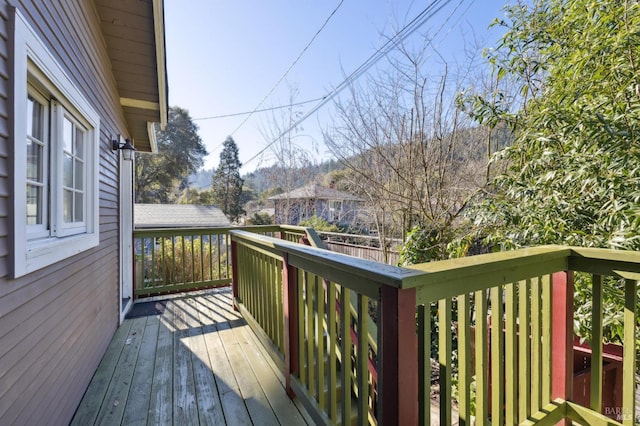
(235, 114)
(400, 36)
(290, 67)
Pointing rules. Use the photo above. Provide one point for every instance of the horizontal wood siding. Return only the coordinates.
(56, 323)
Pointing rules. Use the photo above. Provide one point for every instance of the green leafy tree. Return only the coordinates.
(227, 184)
(573, 171)
(180, 152)
(574, 168)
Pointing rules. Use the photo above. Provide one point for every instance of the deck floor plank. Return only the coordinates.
(136, 412)
(115, 400)
(89, 407)
(208, 399)
(235, 410)
(197, 363)
(257, 403)
(283, 407)
(161, 398)
(185, 411)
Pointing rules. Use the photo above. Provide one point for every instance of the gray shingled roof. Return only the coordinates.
(316, 192)
(177, 216)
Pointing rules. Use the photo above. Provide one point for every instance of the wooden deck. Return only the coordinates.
(196, 363)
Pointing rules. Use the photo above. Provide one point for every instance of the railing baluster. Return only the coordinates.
(333, 341)
(481, 358)
(445, 359)
(362, 370)
(424, 364)
(153, 262)
(536, 349)
(183, 267)
(595, 400)
(464, 361)
(320, 343)
(280, 303)
(511, 359)
(193, 260)
(497, 359)
(291, 333)
(310, 334)
(269, 292)
(218, 245)
(629, 355)
(524, 353)
(302, 321)
(346, 349)
(546, 339)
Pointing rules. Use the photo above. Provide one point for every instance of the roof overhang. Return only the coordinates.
(134, 34)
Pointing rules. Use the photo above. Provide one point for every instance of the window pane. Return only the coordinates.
(79, 172)
(67, 134)
(79, 207)
(67, 171)
(34, 205)
(34, 161)
(67, 206)
(35, 118)
(78, 149)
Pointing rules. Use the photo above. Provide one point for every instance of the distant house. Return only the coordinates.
(178, 216)
(327, 203)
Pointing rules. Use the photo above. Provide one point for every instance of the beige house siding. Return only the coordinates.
(56, 323)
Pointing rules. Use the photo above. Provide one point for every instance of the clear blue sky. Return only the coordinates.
(224, 56)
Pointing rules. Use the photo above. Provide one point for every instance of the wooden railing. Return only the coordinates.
(183, 259)
(503, 324)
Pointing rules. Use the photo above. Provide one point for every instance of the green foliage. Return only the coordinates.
(227, 184)
(573, 171)
(183, 261)
(260, 219)
(180, 152)
(319, 224)
(421, 246)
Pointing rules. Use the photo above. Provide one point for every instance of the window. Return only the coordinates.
(55, 203)
(335, 209)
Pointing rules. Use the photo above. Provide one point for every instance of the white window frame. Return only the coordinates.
(34, 63)
(335, 209)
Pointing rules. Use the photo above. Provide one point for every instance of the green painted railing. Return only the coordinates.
(184, 259)
(529, 296)
(504, 325)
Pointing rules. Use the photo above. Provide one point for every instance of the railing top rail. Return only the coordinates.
(158, 232)
(622, 263)
(351, 271)
(436, 280)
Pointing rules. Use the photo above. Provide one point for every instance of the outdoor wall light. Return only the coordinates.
(126, 147)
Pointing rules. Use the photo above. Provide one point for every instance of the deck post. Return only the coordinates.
(234, 273)
(562, 335)
(290, 310)
(398, 357)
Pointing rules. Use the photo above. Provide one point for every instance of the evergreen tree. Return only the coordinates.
(180, 152)
(227, 184)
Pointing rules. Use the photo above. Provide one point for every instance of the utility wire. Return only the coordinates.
(400, 36)
(290, 67)
(235, 114)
